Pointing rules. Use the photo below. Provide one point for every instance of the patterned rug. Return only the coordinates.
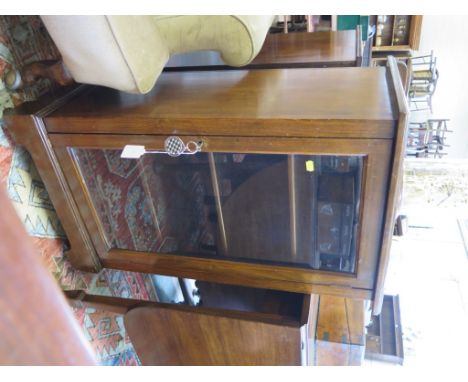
(24, 39)
(136, 199)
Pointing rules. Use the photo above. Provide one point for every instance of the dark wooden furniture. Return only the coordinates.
(341, 320)
(234, 326)
(384, 340)
(340, 333)
(292, 50)
(37, 327)
(300, 132)
(396, 32)
(399, 36)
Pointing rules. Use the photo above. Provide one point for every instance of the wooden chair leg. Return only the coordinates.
(55, 71)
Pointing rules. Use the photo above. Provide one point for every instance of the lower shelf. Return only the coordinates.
(232, 326)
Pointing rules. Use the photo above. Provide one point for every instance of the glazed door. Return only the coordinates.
(295, 214)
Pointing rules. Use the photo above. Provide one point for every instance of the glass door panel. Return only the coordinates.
(153, 204)
(292, 210)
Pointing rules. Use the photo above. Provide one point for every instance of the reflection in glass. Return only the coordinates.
(296, 210)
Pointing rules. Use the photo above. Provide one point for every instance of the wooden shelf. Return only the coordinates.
(411, 35)
(390, 48)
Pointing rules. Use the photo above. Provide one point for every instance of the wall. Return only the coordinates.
(447, 36)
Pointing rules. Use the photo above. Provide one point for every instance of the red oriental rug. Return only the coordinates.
(24, 39)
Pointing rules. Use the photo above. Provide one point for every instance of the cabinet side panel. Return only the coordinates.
(415, 31)
(171, 337)
(30, 132)
(397, 93)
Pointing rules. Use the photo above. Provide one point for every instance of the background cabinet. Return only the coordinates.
(233, 326)
(396, 32)
(291, 50)
(293, 189)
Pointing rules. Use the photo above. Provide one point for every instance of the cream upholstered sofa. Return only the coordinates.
(128, 53)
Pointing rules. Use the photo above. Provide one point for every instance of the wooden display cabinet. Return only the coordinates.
(234, 326)
(292, 50)
(293, 189)
(396, 32)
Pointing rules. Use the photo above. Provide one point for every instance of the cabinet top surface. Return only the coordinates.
(298, 94)
(283, 49)
(308, 47)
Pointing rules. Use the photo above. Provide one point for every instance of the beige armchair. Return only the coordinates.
(128, 53)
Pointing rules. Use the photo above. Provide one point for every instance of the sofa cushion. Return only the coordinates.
(128, 53)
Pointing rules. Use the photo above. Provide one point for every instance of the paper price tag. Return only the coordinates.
(132, 152)
(310, 166)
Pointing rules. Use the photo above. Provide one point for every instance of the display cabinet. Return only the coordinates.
(396, 32)
(292, 50)
(234, 326)
(282, 179)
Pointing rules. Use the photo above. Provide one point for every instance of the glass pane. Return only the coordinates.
(153, 204)
(295, 210)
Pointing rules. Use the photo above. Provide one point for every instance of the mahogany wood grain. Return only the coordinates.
(341, 320)
(356, 314)
(47, 102)
(183, 338)
(336, 111)
(415, 31)
(236, 273)
(277, 315)
(333, 102)
(401, 103)
(239, 144)
(318, 49)
(293, 50)
(29, 131)
(89, 216)
(229, 329)
(37, 327)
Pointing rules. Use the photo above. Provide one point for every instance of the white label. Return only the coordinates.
(133, 151)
